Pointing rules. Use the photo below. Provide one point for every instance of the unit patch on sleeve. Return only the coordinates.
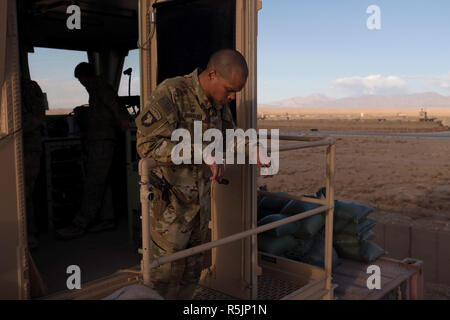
(148, 119)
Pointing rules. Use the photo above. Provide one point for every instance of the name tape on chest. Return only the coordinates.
(188, 115)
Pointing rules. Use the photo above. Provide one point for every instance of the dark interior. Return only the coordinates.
(104, 24)
(190, 31)
(187, 34)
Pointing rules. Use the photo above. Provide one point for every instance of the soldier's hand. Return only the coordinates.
(217, 171)
(262, 160)
(124, 124)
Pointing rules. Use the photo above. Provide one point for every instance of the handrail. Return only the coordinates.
(291, 197)
(237, 236)
(327, 205)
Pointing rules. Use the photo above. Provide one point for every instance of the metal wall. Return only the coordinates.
(14, 282)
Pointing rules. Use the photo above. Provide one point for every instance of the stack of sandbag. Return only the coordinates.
(304, 240)
(278, 240)
(300, 240)
(353, 232)
(312, 251)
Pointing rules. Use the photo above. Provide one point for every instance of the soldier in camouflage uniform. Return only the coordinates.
(33, 120)
(179, 219)
(106, 116)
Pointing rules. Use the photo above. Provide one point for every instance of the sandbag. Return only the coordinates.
(280, 231)
(263, 213)
(366, 252)
(346, 239)
(302, 248)
(275, 245)
(309, 226)
(273, 204)
(350, 211)
(358, 229)
(316, 255)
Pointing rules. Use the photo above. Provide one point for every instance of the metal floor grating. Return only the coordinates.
(269, 288)
(203, 293)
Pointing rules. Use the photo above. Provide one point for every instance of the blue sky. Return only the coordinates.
(320, 46)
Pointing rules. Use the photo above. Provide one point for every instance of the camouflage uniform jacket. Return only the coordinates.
(105, 111)
(33, 115)
(177, 103)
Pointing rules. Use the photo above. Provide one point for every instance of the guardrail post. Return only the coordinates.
(329, 219)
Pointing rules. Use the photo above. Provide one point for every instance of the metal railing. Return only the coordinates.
(327, 206)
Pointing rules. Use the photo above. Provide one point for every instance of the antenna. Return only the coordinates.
(128, 72)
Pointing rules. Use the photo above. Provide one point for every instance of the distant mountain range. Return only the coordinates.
(367, 102)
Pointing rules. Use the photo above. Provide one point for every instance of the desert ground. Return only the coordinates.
(405, 180)
(389, 125)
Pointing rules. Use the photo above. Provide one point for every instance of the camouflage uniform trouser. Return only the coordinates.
(97, 195)
(32, 167)
(172, 231)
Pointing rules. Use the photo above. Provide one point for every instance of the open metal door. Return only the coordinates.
(235, 270)
(14, 282)
(233, 206)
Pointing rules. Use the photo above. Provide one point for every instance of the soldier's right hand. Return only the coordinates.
(217, 171)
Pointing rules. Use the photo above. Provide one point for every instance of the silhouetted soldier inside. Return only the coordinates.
(106, 117)
(33, 120)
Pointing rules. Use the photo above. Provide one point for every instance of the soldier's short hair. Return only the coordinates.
(226, 61)
(84, 69)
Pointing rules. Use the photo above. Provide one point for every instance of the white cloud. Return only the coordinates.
(372, 84)
(442, 81)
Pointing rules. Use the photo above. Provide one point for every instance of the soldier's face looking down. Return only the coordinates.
(223, 90)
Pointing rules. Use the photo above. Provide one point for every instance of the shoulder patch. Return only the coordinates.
(148, 119)
(155, 113)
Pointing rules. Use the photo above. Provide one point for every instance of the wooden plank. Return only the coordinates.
(351, 278)
(359, 269)
(350, 289)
